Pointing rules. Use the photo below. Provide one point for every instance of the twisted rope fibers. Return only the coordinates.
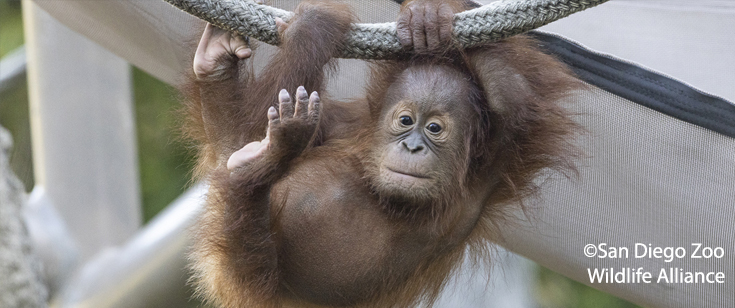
(489, 23)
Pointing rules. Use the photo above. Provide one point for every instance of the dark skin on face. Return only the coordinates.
(421, 131)
(318, 203)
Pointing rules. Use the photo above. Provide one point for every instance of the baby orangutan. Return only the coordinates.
(318, 203)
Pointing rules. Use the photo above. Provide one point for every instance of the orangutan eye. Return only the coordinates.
(434, 128)
(406, 120)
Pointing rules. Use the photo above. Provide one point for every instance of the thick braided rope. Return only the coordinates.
(485, 24)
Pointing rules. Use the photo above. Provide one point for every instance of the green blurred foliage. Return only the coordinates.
(14, 102)
(556, 291)
(11, 26)
(165, 161)
(14, 117)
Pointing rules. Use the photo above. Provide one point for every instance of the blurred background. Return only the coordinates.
(165, 161)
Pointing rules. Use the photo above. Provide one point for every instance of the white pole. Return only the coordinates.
(83, 132)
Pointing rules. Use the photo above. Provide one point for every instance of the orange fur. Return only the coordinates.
(306, 228)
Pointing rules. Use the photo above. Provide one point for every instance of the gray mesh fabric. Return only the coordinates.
(649, 179)
(690, 40)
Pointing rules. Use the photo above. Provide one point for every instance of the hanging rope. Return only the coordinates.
(21, 284)
(488, 23)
